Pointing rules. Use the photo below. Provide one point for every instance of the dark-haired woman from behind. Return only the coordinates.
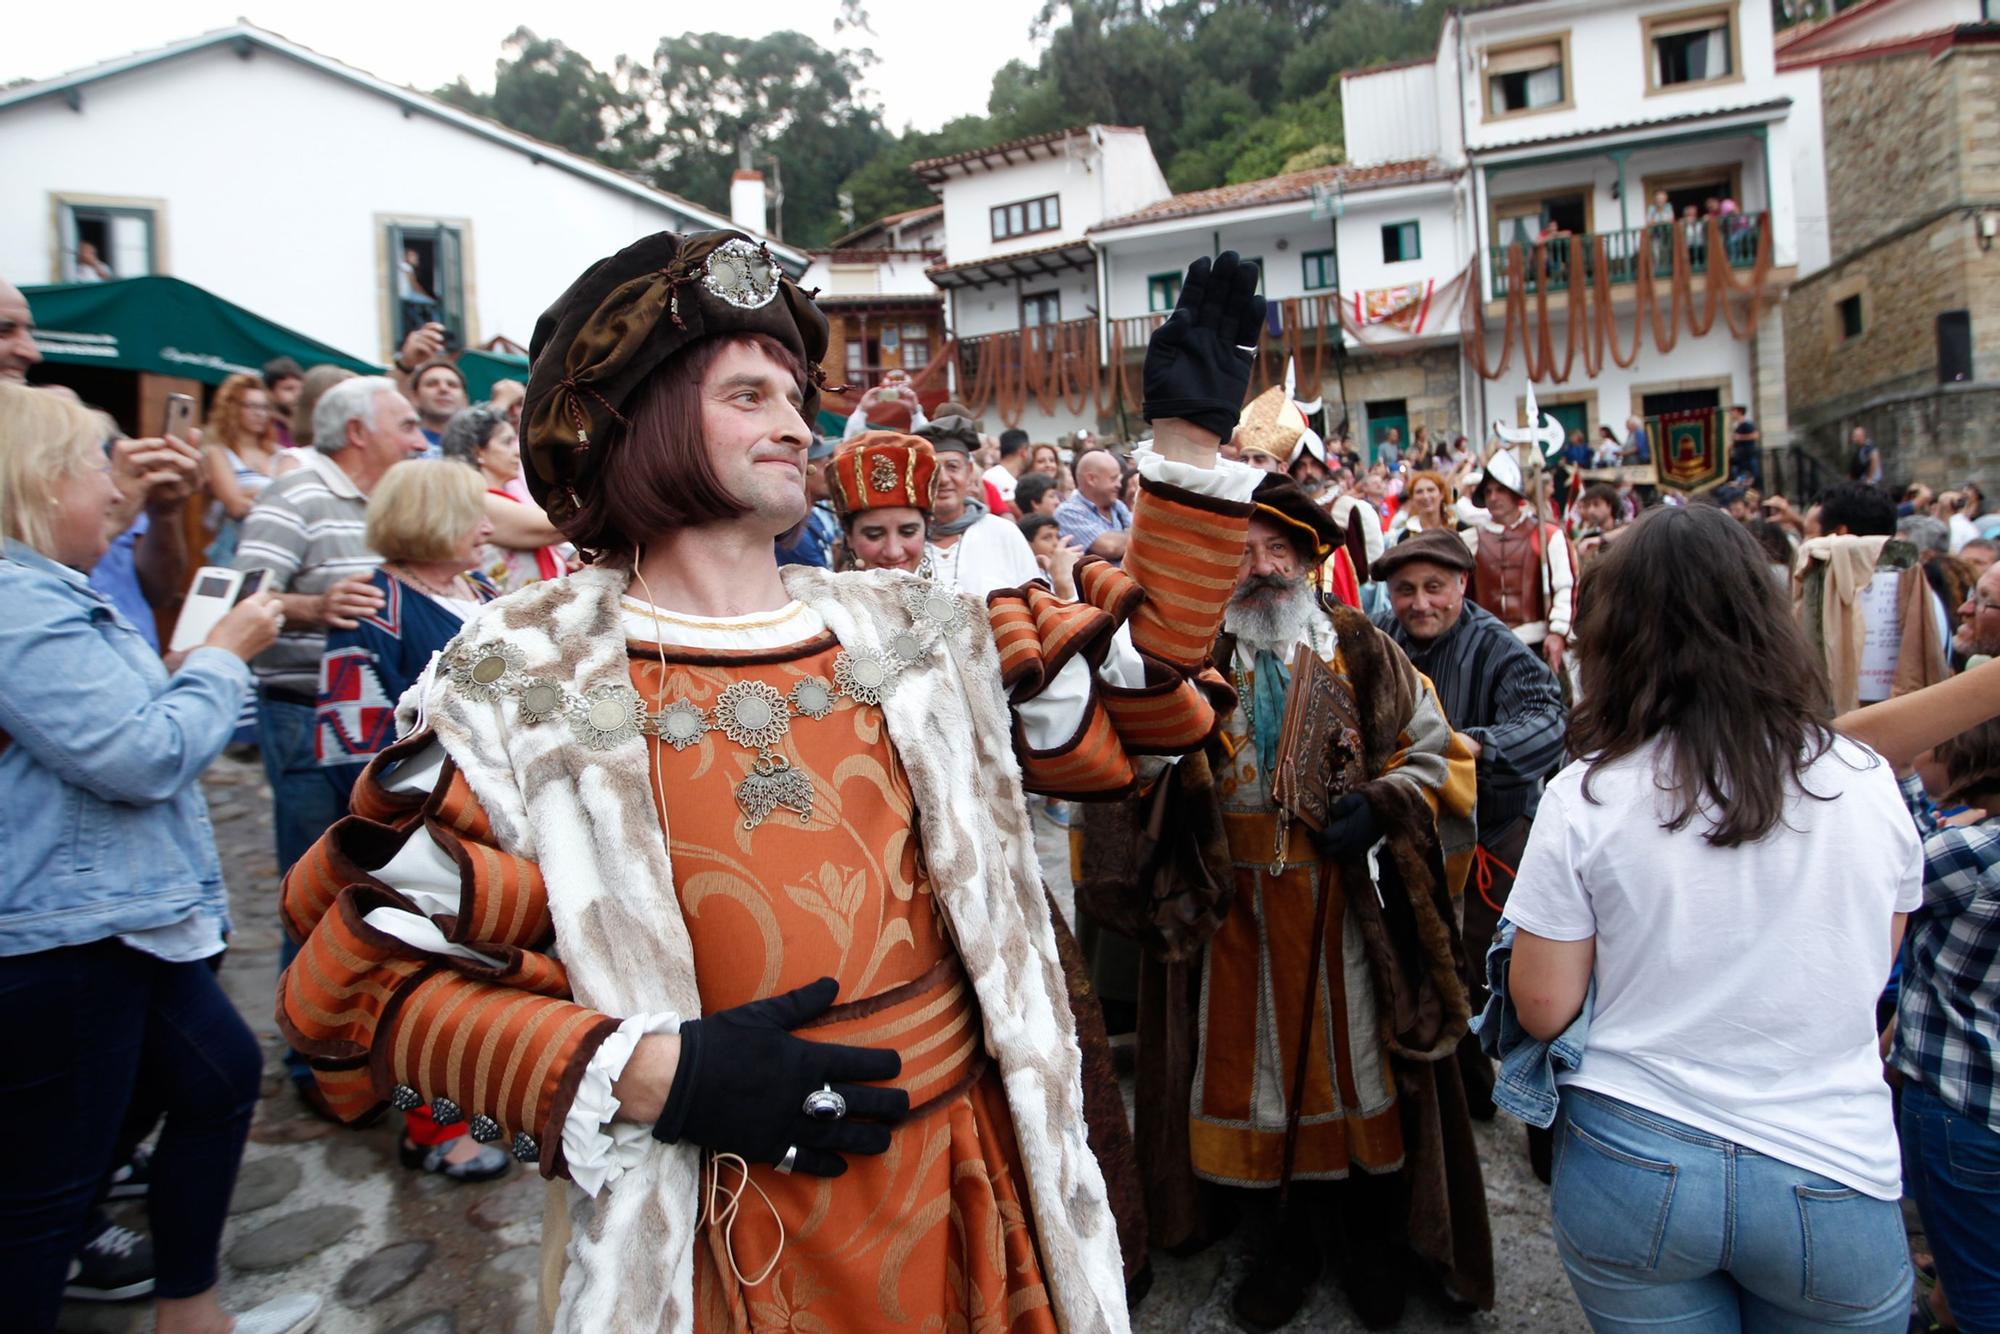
(1732, 876)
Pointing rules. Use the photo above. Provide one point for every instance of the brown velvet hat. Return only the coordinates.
(624, 317)
(1439, 546)
(1284, 502)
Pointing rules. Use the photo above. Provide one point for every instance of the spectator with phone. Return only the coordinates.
(307, 529)
(438, 390)
(111, 897)
(884, 407)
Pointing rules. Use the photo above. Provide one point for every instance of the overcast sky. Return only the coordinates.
(937, 61)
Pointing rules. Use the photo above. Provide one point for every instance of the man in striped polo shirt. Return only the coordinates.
(306, 531)
(1502, 698)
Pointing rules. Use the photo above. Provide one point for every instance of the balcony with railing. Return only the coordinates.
(1572, 257)
(1309, 316)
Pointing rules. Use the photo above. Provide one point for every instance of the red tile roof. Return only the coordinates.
(1281, 190)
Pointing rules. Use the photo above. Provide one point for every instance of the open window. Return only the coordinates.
(1527, 77)
(1693, 46)
(1401, 241)
(102, 239)
(426, 279)
(1524, 220)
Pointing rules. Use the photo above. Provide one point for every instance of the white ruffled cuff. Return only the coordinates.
(597, 1151)
(1229, 479)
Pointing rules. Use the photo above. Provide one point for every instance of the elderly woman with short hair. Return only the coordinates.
(525, 545)
(112, 906)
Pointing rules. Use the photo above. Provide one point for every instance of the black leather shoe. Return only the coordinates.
(1276, 1287)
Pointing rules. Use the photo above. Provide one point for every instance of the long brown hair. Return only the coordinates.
(1684, 637)
(225, 414)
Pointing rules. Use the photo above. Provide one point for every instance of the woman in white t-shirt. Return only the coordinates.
(1733, 878)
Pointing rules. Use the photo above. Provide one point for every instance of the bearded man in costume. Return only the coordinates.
(651, 821)
(1363, 1127)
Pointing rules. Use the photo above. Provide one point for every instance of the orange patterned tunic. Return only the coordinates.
(937, 1225)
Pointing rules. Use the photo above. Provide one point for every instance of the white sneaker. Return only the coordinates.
(294, 1314)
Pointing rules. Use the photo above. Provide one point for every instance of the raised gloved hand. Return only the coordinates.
(1198, 363)
(743, 1078)
(1351, 828)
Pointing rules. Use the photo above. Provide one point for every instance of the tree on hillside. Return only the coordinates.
(716, 100)
(543, 88)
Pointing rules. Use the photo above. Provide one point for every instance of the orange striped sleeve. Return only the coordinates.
(1014, 635)
(346, 854)
(495, 1050)
(372, 798)
(499, 1038)
(332, 997)
(1171, 714)
(1067, 629)
(502, 899)
(1090, 766)
(1184, 552)
(1108, 588)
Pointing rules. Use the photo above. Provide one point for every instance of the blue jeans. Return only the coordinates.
(102, 1040)
(1664, 1227)
(305, 801)
(1951, 1168)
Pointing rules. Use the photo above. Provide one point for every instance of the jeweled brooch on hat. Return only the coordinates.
(741, 274)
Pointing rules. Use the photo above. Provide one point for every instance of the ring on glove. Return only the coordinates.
(790, 1160)
(823, 1104)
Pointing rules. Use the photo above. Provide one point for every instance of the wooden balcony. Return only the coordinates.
(1310, 316)
(1570, 257)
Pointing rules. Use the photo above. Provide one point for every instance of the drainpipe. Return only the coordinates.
(1475, 431)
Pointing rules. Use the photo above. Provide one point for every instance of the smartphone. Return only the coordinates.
(215, 590)
(179, 416)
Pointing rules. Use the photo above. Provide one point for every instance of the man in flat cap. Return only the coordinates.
(1360, 1129)
(649, 822)
(1504, 701)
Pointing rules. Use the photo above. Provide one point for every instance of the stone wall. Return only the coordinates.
(1427, 380)
(1941, 435)
(1912, 159)
(1890, 152)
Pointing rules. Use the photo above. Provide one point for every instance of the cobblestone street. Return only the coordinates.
(331, 1211)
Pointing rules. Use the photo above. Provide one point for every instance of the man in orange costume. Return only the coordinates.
(651, 821)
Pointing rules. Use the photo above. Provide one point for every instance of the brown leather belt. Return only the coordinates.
(940, 1038)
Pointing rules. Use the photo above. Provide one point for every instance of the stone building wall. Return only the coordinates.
(1427, 380)
(1912, 160)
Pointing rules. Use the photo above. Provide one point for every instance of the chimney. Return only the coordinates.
(746, 201)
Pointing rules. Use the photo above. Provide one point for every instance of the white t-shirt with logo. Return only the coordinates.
(1736, 987)
(1003, 481)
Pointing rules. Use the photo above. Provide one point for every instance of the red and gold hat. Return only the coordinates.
(882, 470)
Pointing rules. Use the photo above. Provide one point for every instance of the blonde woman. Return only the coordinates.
(111, 898)
(239, 457)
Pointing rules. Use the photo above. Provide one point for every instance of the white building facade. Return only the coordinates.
(1573, 119)
(291, 184)
(1020, 277)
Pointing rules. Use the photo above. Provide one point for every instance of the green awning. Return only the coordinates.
(164, 326)
(483, 369)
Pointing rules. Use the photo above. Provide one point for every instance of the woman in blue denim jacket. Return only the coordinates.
(112, 907)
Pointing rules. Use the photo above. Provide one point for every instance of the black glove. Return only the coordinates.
(743, 1078)
(1198, 363)
(1351, 828)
